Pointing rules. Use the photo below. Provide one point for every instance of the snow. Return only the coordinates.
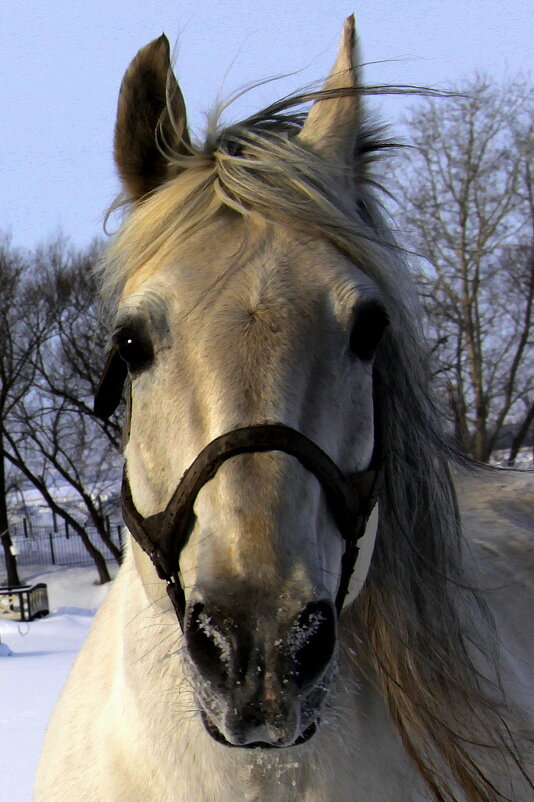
(32, 676)
(222, 643)
(524, 460)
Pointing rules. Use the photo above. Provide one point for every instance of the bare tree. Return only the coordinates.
(19, 341)
(70, 371)
(54, 447)
(465, 192)
(53, 438)
(64, 442)
(40, 479)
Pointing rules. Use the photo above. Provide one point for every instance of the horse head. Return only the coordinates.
(231, 314)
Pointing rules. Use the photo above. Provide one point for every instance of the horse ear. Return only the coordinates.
(331, 127)
(151, 120)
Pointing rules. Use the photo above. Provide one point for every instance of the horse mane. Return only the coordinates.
(422, 632)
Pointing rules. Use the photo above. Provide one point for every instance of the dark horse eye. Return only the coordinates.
(369, 324)
(135, 350)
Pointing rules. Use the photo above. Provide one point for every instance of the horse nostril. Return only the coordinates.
(312, 641)
(208, 647)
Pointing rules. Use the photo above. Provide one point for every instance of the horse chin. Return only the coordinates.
(218, 736)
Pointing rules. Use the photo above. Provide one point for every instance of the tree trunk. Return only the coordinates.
(98, 557)
(114, 549)
(461, 431)
(10, 559)
(519, 439)
(98, 520)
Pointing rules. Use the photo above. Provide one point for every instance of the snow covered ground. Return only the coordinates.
(32, 676)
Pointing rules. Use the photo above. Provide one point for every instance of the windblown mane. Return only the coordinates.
(422, 632)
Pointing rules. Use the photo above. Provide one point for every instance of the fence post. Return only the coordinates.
(52, 548)
(25, 526)
(67, 530)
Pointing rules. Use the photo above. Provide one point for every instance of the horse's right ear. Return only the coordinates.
(151, 121)
(332, 126)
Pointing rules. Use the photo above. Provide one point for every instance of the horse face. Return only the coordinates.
(281, 328)
(243, 322)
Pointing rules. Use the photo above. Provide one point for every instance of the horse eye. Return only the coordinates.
(370, 322)
(134, 350)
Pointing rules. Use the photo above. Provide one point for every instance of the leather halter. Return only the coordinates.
(350, 497)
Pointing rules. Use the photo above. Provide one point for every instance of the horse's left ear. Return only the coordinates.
(151, 120)
(331, 128)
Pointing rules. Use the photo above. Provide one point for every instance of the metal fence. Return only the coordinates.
(42, 546)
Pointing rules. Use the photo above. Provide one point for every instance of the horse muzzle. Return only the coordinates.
(260, 681)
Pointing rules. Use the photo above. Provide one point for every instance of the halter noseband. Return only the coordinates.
(350, 497)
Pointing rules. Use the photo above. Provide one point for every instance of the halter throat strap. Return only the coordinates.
(350, 497)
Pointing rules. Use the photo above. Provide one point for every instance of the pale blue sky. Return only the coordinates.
(61, 65)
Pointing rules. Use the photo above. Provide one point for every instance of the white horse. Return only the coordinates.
(266, 322)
